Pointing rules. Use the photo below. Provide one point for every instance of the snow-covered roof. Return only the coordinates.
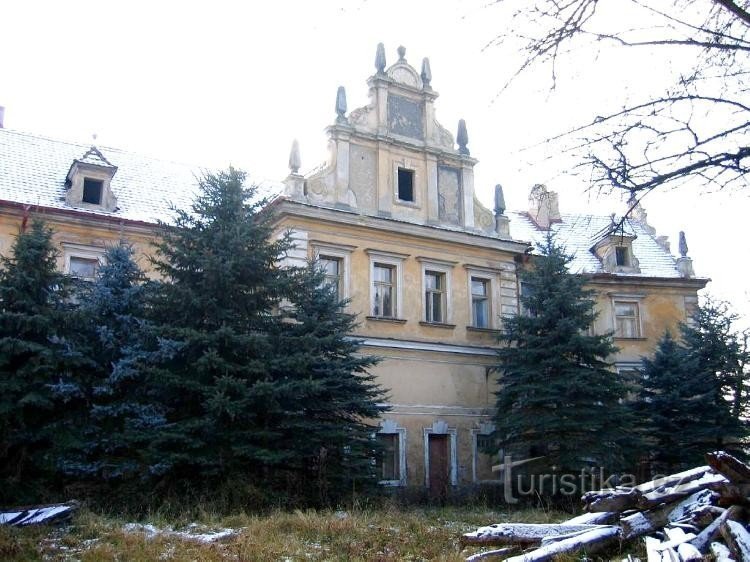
(578, 233)
(33, 170)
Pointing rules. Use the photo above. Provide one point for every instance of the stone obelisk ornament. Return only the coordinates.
(295, 162)
(380, 59)
(462, 138)
(341, 105)
(426, 73)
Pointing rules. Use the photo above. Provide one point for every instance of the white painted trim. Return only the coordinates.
(398, 264)
(390, 427)
(636, 300)
(440, 427)
(446, 269)
(493, 293)
(424, 346)
(72, 250)
(344, 253)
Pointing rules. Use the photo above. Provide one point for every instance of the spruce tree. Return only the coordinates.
(330, 396)
(718, 357)
(242, 403)
(559, 397)
(110, 415)
(672, 401)
(31, 358)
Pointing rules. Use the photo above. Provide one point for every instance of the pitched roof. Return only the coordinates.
(33, 170)
(578, 233)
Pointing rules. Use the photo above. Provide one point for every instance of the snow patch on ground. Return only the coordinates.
(194, 532)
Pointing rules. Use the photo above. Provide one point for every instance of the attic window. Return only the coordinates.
(406, 184)
(92, 191)
(622, 258)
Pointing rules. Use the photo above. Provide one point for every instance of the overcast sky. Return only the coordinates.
(218, 83)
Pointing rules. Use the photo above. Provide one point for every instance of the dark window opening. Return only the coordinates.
(621, 256)
(92, 191)
(405, 184)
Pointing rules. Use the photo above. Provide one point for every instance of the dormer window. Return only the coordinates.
(406, 185)
(88, 182)
(622, 256)
(92, 191)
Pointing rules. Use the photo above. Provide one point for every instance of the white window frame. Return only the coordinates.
(397, 262)
(71, 250)
(390, 427)
(340, 252)
(440, 427)
(627, 298)
(483, 429)
(493, 285)
(445, 268)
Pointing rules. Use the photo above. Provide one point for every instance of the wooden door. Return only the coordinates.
(439, 457)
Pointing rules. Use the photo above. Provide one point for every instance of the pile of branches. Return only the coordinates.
(680, 517)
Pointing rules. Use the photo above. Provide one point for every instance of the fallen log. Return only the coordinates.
(490, 554)
(590, 541)
(690, 506)
(668, 494)
(688, 553)
(645, 522)
(720, 552)
(611, 500)
(672, 480)
(39, 514)
(734, 469)
(705, 537)
(594, 518)
(520, 533)
(737, 539)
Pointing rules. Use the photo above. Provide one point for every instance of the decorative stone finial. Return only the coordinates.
(380, 58)
(295, 162)
(401, 53)
(426, 72)
(462, 138)
(499, 200)
(341, 105)
(683, 244)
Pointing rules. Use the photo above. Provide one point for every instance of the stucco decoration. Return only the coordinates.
(403, 73)
(363, 176)
(364, 117)
(483, 217)
(443, 137)
(449, 191)
(405, 117)
(320, 182)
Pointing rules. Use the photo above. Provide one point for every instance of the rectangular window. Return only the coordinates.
(332, 268)
(434, 296)
(406, 184)
(527, 292)
(480, 303)
(384, 293)
(627, 321)
(83, 268)
(621, 256)
(92, 191)
(388, 465)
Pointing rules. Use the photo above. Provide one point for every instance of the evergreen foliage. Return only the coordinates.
(110, 415)
(718, 350)
(693, 394)
(248, 393)
(32, 356)
(558, 396)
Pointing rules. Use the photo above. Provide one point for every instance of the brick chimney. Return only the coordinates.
(544, 207)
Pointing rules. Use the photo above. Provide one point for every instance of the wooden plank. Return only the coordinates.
(672, 479)
(589, 541)
(720, 552)
(737, 539)
(497, 553)
(611, 500)
(520, 533)
(702, 541)
(595, 518)
(736, 471)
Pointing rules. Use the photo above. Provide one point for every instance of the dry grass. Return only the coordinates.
(383, 534)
